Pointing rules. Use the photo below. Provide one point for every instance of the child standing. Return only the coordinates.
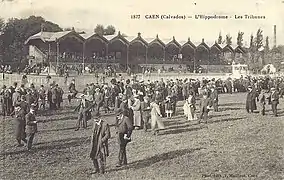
(169, 107)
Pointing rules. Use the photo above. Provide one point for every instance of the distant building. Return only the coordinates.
(130, 50)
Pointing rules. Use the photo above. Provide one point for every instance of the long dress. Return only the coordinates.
(189, 108)
(155, 117)
(137, 116)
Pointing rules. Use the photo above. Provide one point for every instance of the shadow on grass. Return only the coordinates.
(55, 130)
(157, 158)
(53, 145)
(229, 109)
(181, 129)
(225, 120)
(231, 104)
(65, 118)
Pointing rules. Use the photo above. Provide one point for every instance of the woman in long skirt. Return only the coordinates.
(189, 107)
(155, 118)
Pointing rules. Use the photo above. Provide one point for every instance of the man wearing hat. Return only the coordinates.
(31, 126)
(20, 123)
(84, 113)
(204, 105)
(251, 100)
(99, 144)
(98, 100)
(214, 97)
(145, 108)
(136, 107)
(124, 128)
(274, 100)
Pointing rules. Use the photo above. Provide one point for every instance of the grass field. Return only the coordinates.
(233, 145)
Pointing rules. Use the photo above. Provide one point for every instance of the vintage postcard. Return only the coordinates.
(145, 89)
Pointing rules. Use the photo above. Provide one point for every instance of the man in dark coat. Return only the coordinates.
(99, 144)
(84, 113)
(20, 124)
(274, 101)
(124, 128)
(204, 105)
(251, 100)
(31, 127)
(214, 97)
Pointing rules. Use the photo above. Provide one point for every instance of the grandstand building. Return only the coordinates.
(73, 47)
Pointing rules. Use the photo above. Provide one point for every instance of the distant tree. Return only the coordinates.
(220, 39)
(109, 30)
(267, 44)
(99, 29)
(17, 31)
(2, 25)
(251, 44)
(240, 38)
(228, 39)
(259, 39)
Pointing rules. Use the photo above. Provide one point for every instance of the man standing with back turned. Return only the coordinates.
(99, 144)
(124, 129)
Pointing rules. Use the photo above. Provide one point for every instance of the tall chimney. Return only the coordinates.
(274, 36)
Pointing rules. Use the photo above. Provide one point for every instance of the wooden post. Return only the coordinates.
(127, 49)
(83, 57)
(57, 55)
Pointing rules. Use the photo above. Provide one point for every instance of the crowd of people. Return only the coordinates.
(136, 105)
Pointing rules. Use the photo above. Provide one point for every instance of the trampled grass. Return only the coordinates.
(233, 145)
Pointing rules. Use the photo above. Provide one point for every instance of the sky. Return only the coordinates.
(86, 14)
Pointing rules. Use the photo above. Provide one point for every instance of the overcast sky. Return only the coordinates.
(85, 14)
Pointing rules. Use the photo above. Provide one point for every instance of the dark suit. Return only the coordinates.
(250, 103)
(274, 102)
(204, 103)
(20, 126)
(214, 99)
(98, 100)
(123, 126)
(31, 128)
(99, 145)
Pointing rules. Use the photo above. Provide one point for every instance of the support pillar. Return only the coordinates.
(57, 55)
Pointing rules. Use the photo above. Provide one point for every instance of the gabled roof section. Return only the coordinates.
(228, 47)
(240, 49)
(157, 40)
(203, 44)
(139, 39)
(119, 37)
(189, 43)
(96, 36)
(52, 36)
(217, 46)
(173, 42)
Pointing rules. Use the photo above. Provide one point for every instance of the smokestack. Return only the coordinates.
(274, 36)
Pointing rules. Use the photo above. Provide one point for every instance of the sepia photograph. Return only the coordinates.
(142, 90)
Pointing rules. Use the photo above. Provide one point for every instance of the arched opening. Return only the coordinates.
(155, 53)
(71, 49)
(202, 55)
(239, 56)
(118, 52)
(95, 51)
(187, 52)
(215, 56)
(137, 53)
(172, 52)
(228, 54)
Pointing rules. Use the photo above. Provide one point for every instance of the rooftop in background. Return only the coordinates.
(53, 36)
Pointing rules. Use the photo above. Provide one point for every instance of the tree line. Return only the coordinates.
(15, 32)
